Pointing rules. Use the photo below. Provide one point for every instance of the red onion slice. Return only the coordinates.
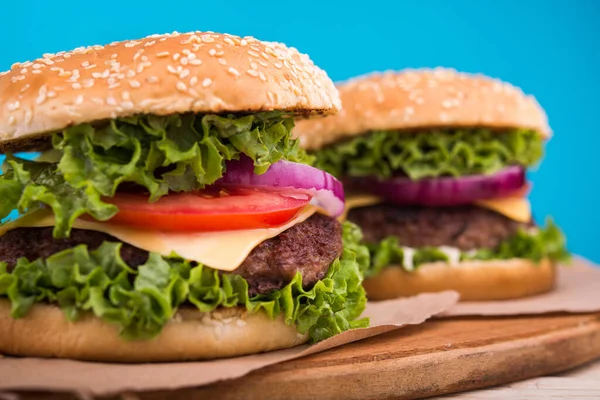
(443, 191)
(285, 176)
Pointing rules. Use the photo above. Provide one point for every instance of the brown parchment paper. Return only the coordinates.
(577, 291)
(105, 379)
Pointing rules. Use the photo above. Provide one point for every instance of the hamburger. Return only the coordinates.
(434, 164)
(171, 215)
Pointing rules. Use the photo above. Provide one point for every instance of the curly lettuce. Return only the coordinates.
(545, 242)
(431, 153)
(141, 301)
(161, 154)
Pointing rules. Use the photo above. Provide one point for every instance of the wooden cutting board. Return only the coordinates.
(438, 357)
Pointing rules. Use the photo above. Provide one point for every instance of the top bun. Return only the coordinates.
(161, 74)
(423, 99)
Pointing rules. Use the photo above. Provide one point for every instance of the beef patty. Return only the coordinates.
(309, 248)
(465, 227)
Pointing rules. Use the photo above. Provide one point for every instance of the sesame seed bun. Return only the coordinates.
(161, 74)
(423, 99)
(474, 280)
(192, 335)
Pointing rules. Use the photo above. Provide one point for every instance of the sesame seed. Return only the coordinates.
(184, 74)
(111, 101)
(125, 96)
(150, 43)
(28, 116)
(37, 66)
(162, 54)
(25, 88)
(278, 65)
(130, 73)
(233, 71)
(206, 82)
(229, 41)
(181, 86)
(222, 61)
(85, 63)
(243, 42)
(195, 62)
(127, 104)
(152, 79)
(97, 100)
(176, 56)
(264, 63)
(171, 69)
(207, 39)
(90, 66)
(253, 65)
(51, 94)
(262, 76)
(96, 75)
(212, 52)
(253, 53)
(88, 83)
(79, 99)
(447, 103)
(138, 54)
(11, 120)
(252, 72)
(40, 99)
(114, 85)
(271, 97)
(184, 61)
(13, 106)
(134, 84)
(36, 71)
(193, 81)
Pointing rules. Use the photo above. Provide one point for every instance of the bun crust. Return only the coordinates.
(162, 74)
(474, 280)
(192, 335)
(423, 99)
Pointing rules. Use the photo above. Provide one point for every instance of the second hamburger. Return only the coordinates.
(434, 162)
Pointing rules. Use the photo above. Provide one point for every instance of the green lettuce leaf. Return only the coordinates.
(26, 185)
(172, 153)
(545, 242)
(141, 301)
(430, 154)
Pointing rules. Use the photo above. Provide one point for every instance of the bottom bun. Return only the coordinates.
(474, 280)
(191, 335)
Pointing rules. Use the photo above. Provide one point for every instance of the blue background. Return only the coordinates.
(549, 48)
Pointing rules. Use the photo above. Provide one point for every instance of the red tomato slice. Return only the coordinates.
(211, 210)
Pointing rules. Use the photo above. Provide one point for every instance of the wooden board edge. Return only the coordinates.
(455, 370)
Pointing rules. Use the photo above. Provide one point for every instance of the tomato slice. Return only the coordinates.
(208, 210)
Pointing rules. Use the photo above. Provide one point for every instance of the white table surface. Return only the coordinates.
(581, 383)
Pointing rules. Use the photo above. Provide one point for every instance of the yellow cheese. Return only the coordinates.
(515, 208)
(358, 200)
(224, 251)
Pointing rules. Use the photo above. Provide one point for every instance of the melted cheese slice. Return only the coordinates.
(224, 251)
(515, 208)
(356, 201)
